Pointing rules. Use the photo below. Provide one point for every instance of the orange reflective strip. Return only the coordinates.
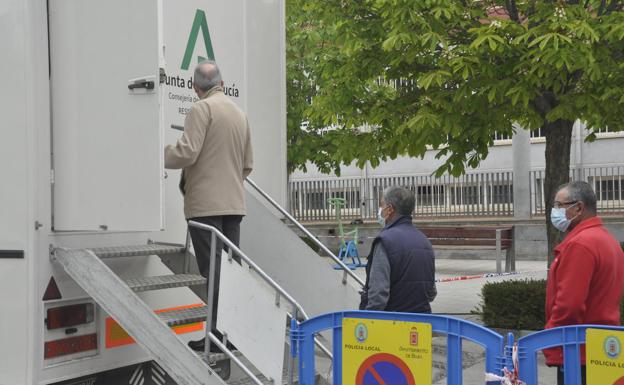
(116, 336)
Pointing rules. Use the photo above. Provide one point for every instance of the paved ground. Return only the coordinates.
(460, 298)
(463, 296)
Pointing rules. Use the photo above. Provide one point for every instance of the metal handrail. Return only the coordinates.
(231, 356)
(232, 247)
(346, 270)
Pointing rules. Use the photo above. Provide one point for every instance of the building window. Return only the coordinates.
(501, 136)
(502, 193)
(537, 133)
(429, 195)
(467, 195)
(604, 130)
(315, 200)
(609, 189)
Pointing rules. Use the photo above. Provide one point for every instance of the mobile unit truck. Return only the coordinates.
(90, 92)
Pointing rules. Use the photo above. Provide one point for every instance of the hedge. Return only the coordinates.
(516, 305)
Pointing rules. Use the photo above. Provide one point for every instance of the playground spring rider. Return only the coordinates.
(348, 248)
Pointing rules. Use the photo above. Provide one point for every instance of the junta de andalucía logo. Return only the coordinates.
(199, 24)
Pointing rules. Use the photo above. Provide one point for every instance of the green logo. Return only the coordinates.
(199, 23)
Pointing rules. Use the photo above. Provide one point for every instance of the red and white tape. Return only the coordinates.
(509, 377)
(486, 275)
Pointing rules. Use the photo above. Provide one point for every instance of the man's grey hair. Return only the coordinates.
(402, 199)
(581, 192)
(207, 75)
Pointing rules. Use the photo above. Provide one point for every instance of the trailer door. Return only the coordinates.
(106, 122)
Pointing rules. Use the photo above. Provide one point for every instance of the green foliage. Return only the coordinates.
(444, 74)
(517, 304)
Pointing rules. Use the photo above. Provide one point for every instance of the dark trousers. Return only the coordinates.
(229, 225)
(560, 375)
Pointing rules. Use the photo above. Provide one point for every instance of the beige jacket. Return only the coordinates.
(215, 153)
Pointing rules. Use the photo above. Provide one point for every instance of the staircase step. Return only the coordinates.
(185, 316)
(138, 250)
(164, 282)
(137, 318)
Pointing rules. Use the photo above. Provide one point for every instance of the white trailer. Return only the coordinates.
(90, 90)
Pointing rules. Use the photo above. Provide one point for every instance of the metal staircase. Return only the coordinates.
(164, 282)
(152, 331)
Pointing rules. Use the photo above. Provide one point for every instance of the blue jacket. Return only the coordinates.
(412, 267)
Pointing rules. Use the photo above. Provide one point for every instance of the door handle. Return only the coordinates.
(147, 84)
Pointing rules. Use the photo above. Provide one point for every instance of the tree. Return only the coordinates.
(448, 74)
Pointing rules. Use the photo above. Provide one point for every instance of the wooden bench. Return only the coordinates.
(500, 238)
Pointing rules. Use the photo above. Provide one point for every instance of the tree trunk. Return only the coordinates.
(558, 141)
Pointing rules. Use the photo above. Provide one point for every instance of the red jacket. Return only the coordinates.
(585, 281)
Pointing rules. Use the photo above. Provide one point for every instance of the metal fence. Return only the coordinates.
(607, 181)
(478, 194)
(474, 194)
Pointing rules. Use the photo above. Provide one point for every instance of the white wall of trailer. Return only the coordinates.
(248, 42)
(250, 48)
(23, 110)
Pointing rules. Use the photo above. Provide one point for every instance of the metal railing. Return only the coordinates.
(345, 269)
(607, 181)
(297, 310)
(485, 194)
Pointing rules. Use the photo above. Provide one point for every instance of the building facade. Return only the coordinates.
(507, 184)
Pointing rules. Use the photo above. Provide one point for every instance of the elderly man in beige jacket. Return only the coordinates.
(215, 156)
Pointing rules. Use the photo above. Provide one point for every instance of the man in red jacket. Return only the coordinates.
(585, 280)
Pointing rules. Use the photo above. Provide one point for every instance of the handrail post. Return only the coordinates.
(498, 251)
(291, 359)
(187, 253)
(239, 363)
(232, 248)
(211, 290)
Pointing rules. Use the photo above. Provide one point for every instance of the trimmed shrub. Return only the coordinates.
(517, 304)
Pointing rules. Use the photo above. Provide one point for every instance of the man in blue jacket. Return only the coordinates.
(400, 274)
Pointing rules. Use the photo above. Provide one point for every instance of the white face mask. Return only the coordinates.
(380, 219)
(558, 218)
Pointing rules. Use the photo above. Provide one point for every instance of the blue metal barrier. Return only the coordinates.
(569, 337)
(302, 341)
